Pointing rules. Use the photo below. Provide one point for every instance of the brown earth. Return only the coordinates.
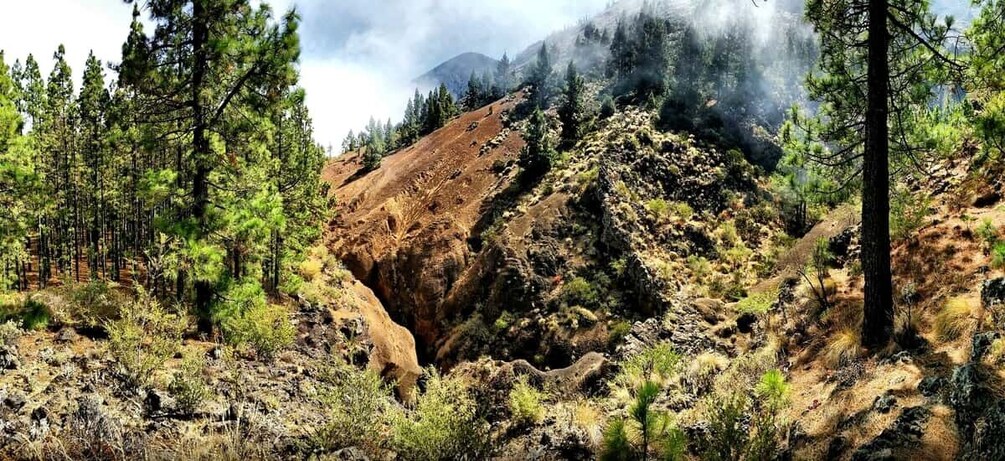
(404, 228)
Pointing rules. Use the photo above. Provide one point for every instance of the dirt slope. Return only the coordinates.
(404, 228)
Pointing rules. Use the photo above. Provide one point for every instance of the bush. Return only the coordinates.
(607, 107)
(842, 348)
(727, 432)
(998, 256)
(908, 211)
(525, 403)
(94, 304)
(988, 234)
(142, 339)
(617, 331)
(956, 318)
(266, 328)
(648, 433)
(580, 291)
(743, 424)
(29, 314)
(757, 303)
(658, 363)
(443, 424)
(773, 389)
(659, 208)
(10, 332)
(356, 405)
(188, 386)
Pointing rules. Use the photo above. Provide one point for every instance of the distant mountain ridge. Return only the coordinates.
(456, 71)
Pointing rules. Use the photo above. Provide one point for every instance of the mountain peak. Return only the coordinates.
(455, 71)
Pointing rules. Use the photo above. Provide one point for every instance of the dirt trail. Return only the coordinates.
(796, 257)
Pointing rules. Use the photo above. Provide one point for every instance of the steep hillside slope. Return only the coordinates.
(404, 228)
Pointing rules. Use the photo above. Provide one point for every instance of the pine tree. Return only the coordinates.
(537, 156)
(230, 56)
(503, 80)
(573, 110)
(874, 70)
(473, 96)
(19, 191)
(57, 135)
(539, 79)
(93, 102)
(349, 143)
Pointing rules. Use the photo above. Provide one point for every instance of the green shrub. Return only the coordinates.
(657, 363)
(356, 404)
(188, 386)
(264, 327)
(36, 316)
(503, 321)
(659, 208)
(648, 433)
(444, 424)
(908, 211)
(998, 256)
(525, 403)
(142, 339)
(773, 389)
(727, 433)
(682, 210)
(988, 233)
(616, 446)
(29, 314)
(580, 291)
(93, 304)
(617, 332)
(757, 303)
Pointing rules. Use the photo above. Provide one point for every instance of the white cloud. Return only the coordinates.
(38, 27)
(359, 56)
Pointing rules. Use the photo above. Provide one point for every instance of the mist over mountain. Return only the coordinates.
(456, 71)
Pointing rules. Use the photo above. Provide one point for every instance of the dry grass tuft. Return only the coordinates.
(842, 348)
(958, 316)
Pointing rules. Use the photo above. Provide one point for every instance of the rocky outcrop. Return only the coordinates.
(993, 293)
(353, 324)
(905, 432)
(980, 407)
(391, 347)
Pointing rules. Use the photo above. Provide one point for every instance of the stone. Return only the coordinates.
(349, 454)
(884, 403)
(837, 447)
(986, 198)
(157, 402)
(981, 344)
(993, 292)
(906, 431)
(15, 401)
(931, 385)
(709, 309)
(745, 322)
(8, 358)
(66, 335)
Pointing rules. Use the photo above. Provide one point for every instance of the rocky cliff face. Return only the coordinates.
(474, 262)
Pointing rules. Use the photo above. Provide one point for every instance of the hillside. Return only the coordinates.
(733, 231)
(455, 72)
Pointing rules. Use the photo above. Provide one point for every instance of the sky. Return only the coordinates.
(359, 56)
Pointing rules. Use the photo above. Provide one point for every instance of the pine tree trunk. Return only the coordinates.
(200, 145)
(877, 323)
